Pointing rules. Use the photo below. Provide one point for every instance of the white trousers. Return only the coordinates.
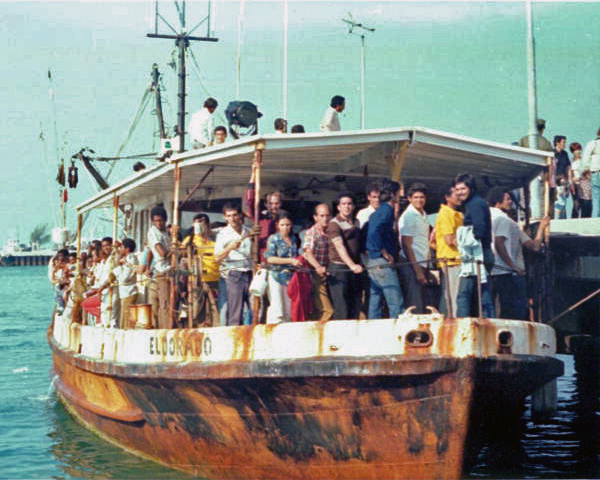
(109, 317)
(453, 281)
(280, 308)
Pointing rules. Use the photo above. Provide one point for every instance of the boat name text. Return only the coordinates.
(175, 346)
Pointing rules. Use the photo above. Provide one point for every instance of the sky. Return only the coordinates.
(459, 67)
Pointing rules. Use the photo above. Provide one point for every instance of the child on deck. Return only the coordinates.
(562, 193)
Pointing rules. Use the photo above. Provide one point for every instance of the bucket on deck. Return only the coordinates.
(140, 316)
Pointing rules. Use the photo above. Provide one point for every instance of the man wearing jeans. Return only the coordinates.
(381, 250)
(413, 227)
(591, 162)
(477, 216)
(233, 252)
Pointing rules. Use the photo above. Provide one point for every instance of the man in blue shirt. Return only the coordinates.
(382, 250)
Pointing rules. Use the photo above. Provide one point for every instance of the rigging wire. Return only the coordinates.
(165, 98)
(126, 157)
(51, 197)
(51, 95)
(199, 75)
(134, 123)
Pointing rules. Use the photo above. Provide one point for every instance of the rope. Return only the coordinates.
(273, 267)
(134, 123)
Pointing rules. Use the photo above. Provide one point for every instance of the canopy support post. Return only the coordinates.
(257, 165)
(174, 247)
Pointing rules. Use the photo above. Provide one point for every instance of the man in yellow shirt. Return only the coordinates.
(447, 222)
(204, 249)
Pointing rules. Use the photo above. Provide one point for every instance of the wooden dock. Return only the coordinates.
(26, 259)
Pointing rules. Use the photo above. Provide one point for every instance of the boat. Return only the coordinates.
(395, 398)
(403, 397)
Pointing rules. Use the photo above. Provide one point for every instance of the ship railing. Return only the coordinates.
(437, 264)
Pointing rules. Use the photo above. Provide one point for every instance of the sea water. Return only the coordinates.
(39, 439)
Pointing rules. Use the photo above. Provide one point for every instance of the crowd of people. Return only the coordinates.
(203, 133)
(371, 263)
(577, 177)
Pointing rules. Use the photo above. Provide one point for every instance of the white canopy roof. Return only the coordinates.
(417, 154)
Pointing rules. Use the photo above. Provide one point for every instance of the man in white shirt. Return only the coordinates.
(373, 193)
(330, 121)
(413, 228)
(508, 275)
(591, 161)
(159, 243)
(201, 125)
(126, 276)
(233, 251)
(109, 295)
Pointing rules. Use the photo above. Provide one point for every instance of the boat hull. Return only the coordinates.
(392, 416)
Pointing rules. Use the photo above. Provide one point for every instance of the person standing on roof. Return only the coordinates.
(280, 125)
(220, 135)
(201, 125)
(330, 121)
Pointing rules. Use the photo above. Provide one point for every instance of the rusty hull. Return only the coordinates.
(415, 415)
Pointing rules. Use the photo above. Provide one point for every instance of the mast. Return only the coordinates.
(238, 56)
(362, 29)
(285, 59)
(159, 112)
(531, 83)
(182, 42)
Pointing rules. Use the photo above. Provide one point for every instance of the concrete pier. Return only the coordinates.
(25, 259)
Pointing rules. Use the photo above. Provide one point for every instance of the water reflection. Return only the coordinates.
(565, 446)
(82, 455)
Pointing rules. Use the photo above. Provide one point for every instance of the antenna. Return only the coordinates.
(361, 30)
(182, 42)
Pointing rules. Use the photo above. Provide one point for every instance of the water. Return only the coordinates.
(38, 438)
